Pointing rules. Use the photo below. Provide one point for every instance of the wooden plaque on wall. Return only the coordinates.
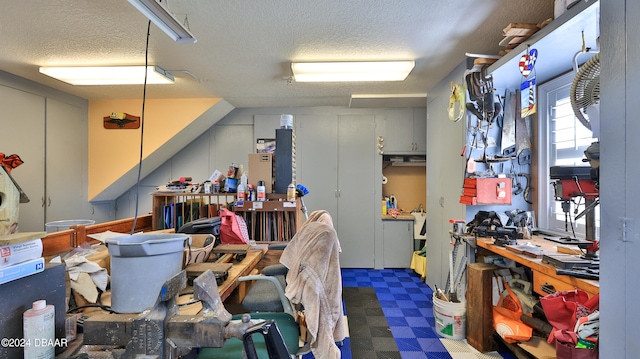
(122, 122)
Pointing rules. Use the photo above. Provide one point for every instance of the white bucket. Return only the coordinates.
(66, 224)
(286, 121)
(140, 265)
(450, 318)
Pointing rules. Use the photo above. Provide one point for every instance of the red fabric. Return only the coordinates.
(10, 162)
(563, 309)
(233, 229)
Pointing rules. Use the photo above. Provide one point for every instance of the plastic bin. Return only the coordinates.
(66, 224)
(140, 265)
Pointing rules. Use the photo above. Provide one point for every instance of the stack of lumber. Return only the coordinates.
(517, 33)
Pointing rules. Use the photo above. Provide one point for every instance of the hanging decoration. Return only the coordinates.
(528, 99)
(457, 102)
(120, 120)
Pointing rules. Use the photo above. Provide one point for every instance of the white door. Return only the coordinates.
(316, 161)
(357, 205)
(22, 123)
(66, 162)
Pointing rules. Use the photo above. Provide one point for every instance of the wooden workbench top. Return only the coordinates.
(550, 247)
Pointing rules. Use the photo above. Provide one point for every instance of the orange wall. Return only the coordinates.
(113, 152)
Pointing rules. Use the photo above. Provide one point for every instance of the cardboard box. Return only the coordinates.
(20, 270)
(261, 168)
(20, 252)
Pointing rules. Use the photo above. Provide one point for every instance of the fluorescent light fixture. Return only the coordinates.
(388, 100)
(351, 71)
(164, 19)
(108, 75)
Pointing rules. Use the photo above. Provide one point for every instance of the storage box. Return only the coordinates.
(20, 252)
(482, 191)
(261, 168)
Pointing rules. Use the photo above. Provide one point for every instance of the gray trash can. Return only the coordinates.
(140, 264)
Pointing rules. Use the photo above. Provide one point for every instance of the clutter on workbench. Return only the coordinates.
(182, 185)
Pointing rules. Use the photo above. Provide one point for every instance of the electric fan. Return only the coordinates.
(585, 94)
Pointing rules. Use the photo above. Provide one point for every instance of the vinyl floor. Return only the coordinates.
(390, 315)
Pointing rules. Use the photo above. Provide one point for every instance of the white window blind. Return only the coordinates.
(563, 140)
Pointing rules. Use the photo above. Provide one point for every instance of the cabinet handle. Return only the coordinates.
(49, 200)
(42, 201)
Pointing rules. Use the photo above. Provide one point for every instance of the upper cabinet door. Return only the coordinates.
(405, 132)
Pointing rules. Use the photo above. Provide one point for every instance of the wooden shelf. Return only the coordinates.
(172, 210)
(269, 221)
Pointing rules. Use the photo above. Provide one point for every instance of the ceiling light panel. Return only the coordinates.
(108, 75)
(351, 71)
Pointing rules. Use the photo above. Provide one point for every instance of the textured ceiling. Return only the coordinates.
(245, 47)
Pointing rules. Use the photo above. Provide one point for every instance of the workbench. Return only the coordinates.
(544, 276)
(543, 273)
(227, 290)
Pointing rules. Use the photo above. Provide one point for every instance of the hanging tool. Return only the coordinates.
(523, 142)
(454, 240)
(508, 144)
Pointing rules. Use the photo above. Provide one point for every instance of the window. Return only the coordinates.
(562, 141)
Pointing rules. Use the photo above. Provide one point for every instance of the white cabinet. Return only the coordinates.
(336, 161)
(398, 243)
(50, 136)
(405, 131)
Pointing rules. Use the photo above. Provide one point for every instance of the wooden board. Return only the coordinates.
(232, 248)
(539, 348)
(195, 269)
(529, 251)
(520, 29)
(479, 306)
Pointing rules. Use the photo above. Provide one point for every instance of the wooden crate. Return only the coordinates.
(479, 307)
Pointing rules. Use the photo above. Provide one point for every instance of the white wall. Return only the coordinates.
(445, 167)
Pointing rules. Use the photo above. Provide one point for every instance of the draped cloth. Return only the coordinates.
(315, 282)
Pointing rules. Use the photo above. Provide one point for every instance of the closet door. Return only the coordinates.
(22, 119)
(316, 161)
(66, 162)
(356, 190)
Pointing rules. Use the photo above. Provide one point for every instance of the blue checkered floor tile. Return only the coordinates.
(406, 303)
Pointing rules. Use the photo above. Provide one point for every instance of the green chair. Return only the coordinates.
(262, 305)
